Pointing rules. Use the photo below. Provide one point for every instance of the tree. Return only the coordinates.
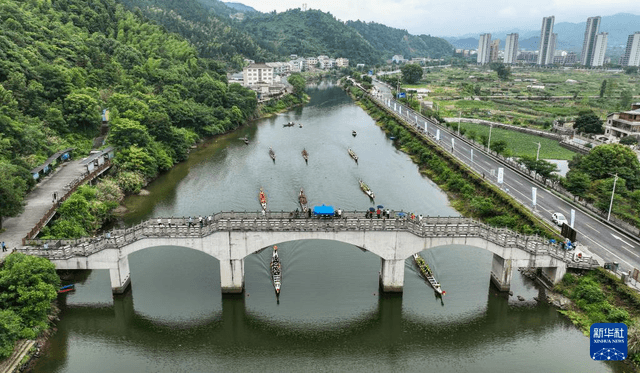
(10, 328)
(625, 99)
(606, 160)
(503, 71)
(603, 88)
(629, 140)
(27, 287)
(82, 112)
(577, 183)
(12, 190)
(588, 122)
(298, 82)
(411, 73)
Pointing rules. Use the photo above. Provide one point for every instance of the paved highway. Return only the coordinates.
(601, 238)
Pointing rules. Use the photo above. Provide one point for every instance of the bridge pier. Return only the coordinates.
(120, 276)
(232, 275)
(554, 274)
(501, 273)
(392, 275)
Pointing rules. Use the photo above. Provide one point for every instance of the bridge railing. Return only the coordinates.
(290, 221)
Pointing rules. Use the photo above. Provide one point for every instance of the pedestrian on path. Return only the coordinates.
(4, 248)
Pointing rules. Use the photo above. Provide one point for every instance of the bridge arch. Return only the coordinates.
(230, 237)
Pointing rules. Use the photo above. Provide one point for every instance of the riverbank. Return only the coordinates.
(598, 296)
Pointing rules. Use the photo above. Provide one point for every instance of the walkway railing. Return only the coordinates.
(73, 186)
(452, 227)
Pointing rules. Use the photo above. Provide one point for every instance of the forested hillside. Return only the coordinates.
(62, 61)
(390, 41)
(309, 33)
(208, 29)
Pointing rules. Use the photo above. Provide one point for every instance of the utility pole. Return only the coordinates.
(489, 142)
(538, 152)
(612, 193)
(459, 117)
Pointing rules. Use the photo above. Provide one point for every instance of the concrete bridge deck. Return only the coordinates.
(231, 236)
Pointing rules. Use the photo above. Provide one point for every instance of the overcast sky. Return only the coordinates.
(456, 17)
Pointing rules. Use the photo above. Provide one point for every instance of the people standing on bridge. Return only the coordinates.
(209, 218)
(378, 212)
(200, 220)
(160, 222)
(190, 221)
(169, 222)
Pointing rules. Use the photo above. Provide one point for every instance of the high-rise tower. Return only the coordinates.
(599, 49)
(511, 49)
(590, 35)
(547, 41)
(484, 48)
(632, 52)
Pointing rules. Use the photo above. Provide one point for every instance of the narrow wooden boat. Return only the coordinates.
(354, 133)
(365, 188)
(62, 291)
(302, 198)
(300, 125)
(425, 271)
(272, 154)
(263, 199)
(290, 124)
(305, 155)
(353, 155)
(70, 286)
(276, 270)
(246, 141)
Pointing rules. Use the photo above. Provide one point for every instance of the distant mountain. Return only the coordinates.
(570, 35)
(390, 41)
(240, 7)
(309, 33)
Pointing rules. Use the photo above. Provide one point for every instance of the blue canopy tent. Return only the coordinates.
(323, 210)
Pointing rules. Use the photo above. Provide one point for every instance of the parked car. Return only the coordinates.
(558, 219)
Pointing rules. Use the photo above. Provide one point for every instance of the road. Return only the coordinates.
(601, 238)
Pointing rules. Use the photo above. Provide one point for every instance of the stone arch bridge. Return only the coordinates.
(231, 236)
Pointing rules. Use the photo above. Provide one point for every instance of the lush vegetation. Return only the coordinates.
(592, 177)
(208, 27)
(28, 285)
(62, 61)
(389, 41)
(600, 297)
(411, 73)
(467, 191)
(309, 33)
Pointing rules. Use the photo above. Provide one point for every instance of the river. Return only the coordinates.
(331, 316)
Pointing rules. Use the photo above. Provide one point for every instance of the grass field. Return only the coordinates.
(522, 144)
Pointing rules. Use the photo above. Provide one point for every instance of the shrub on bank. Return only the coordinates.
(27, 287)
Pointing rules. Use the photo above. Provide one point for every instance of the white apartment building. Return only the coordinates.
(599, 49)
(632, 52)
(511, 49)
(326, 64)
(279, 68)
(257, 73)
(590, 34)
(342, 62)
(547, 41)
(484, 49)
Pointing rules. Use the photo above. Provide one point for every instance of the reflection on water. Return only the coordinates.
(331, 315)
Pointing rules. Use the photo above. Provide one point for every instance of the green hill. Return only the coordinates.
(62, 61)
(309, 33)
(390, 41)
(208, 27)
